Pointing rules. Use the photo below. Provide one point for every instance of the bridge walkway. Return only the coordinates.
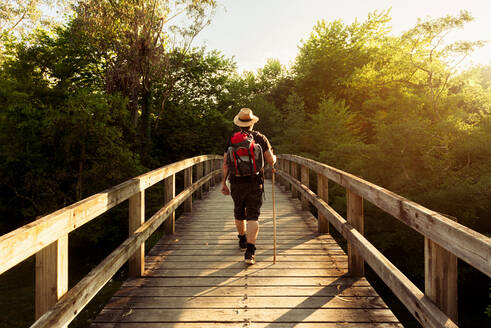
(197, 277)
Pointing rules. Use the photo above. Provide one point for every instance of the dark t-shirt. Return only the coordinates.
(258, 138)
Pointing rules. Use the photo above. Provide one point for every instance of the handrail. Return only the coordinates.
(47, 237)
(26, 241)
(467, 244)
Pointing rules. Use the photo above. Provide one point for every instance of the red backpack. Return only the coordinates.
(245, 156)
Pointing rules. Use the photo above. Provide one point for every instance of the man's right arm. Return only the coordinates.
(225, 189)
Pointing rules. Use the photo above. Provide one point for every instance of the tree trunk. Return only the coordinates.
(78, 187)
(145, 128)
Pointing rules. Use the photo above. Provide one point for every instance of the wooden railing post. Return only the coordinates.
(356, 265)
(280, 166)
(287, 171)
(51, 275)
(294, 174)
(441, 278)
(278, 177)
(188, 181)
(284, 182)
(170, 193)
(199, 175)
(305, 180)
(213, 168)
(219, 167)
(207, 170)
(323, 193)
(136, 219)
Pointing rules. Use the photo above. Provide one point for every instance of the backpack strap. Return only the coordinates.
(252, 157)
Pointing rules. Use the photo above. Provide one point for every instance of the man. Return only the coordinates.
(247, 191)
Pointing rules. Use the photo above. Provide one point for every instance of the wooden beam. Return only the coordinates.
(305, 181)
(51, 275)
(467, 244)
(188, 181)
(441, 278)
(136, 264)
(160, 174)
(323, 193)
(356, 265)
(170, 193)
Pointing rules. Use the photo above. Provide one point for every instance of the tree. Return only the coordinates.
(134, 38)
(333, 136)
(19, 17)
(435, 60)
(331, 55)
(293, 139)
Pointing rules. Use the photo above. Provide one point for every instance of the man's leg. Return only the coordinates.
(240, 214)
(240, 224)
(252, 231)
(253, 208)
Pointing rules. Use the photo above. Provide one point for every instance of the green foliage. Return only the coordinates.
(190, 120)
(269, 116)
(488, 309)
(55, 156)
(292, 139)
(55, 135)
(333, 137)
(185, 132)
(331, 55)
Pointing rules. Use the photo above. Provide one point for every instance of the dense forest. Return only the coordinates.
(118, 89)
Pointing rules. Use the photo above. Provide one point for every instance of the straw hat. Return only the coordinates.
(245, 118)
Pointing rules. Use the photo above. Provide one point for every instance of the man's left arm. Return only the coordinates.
(269, 156)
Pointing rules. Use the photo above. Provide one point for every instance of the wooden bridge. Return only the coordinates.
(195, 275)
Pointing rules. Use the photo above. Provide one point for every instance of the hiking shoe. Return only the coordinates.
(242, 242)
(249, 256)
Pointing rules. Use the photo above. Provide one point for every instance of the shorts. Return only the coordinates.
(248, 199)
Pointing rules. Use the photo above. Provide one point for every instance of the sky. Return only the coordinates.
(252, 31)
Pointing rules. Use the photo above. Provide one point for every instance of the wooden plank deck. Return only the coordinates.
(198, 278)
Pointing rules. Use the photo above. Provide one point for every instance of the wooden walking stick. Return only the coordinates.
(274, 222)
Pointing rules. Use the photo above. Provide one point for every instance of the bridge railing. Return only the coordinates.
(47, 237)
(445, 239)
